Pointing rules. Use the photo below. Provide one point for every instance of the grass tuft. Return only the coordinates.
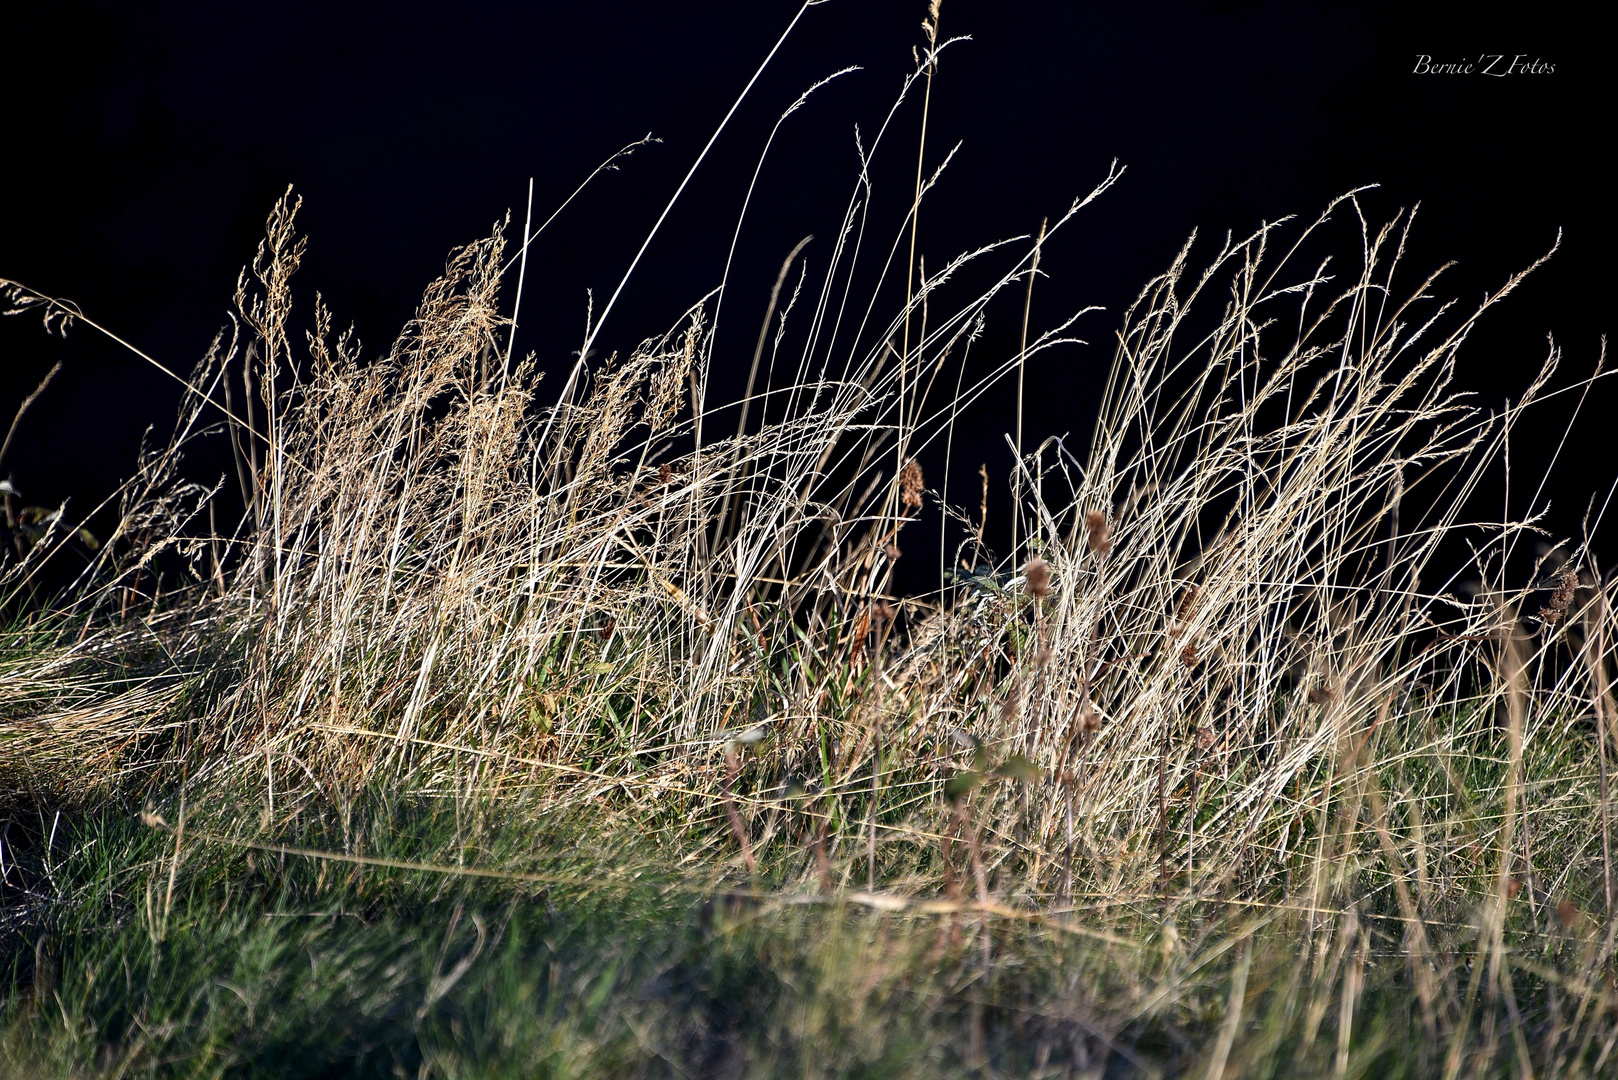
(515, 733)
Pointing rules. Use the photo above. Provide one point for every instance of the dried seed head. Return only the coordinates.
(1037, 578)
(910, 485)
(1099, 533)
(1187, 608)
(1566, 583)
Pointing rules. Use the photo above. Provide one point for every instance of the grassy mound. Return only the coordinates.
(570, 735)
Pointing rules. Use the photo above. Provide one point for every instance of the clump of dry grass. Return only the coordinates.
(1238, 672)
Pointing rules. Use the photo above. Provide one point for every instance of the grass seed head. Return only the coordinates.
(1037, 578)
(911, 486)
(1183, 613)
(1097, 532)
(1566, 584)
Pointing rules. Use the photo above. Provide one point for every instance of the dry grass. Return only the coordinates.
(1238, 674)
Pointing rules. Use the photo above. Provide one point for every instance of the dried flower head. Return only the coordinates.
(911, 485)
(1098, 533)
(1037, 578)
(1566, 584)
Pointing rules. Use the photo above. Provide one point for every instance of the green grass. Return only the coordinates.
(616, 960)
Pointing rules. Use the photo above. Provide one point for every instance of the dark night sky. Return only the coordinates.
(147, 142)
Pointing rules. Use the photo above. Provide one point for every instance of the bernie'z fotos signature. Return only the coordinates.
(1497, 64)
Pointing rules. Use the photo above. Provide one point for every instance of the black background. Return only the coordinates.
(145, 144)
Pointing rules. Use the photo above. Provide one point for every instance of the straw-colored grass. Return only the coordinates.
(1220, 746)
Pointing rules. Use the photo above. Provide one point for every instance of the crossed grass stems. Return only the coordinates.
(1224, 662)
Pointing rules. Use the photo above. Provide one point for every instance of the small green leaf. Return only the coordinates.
(958, 786)
(1017, 767)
